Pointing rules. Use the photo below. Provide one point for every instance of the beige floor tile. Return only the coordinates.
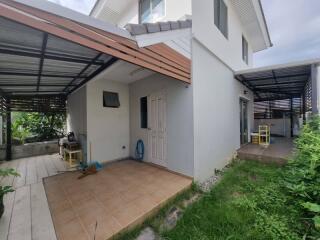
(105, 228)
(145, 203)
(118, 196)
(114, 204)
(73, 231)
(62, 217)
(128, 215)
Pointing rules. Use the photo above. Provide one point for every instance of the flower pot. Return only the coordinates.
(1, 206)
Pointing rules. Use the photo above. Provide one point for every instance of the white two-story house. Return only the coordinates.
(201, 120)
(176, 75)
(123, 12)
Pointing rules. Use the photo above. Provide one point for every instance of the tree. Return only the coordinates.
(44, 126)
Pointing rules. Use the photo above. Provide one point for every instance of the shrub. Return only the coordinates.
(302, 177)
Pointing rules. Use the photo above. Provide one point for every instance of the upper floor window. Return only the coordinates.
(221, 16)
(245, 50)
(151, 10)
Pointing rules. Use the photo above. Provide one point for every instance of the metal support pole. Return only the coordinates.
(304, 118)
(291, 117)
(9, 139)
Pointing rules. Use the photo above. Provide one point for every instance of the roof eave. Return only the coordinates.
(95, 6)
(70, 14)
(262, 23)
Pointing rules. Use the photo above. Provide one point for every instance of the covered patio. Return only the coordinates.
(285, 96)
(48, 53)
(120, 196)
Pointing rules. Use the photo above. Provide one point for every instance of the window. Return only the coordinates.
(144, 112)
(111, 99)
(221, 16)
(151, 10)
(245, 53)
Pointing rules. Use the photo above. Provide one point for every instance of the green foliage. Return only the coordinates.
(302, 176)
(312, 207)
(248, 203)
(44, 126)
(274, 226)
(5, 173)
(257, 201)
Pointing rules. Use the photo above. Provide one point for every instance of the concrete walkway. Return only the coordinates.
(27, 215)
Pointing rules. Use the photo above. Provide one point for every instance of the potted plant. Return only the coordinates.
(5, 189)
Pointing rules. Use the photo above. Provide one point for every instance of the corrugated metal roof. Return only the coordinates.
(275, 82)
(63, 61)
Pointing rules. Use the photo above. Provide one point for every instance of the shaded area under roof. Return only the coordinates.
(277, 82)
(35, 62)
(51, 55)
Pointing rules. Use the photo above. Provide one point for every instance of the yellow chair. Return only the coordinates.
(264, 135)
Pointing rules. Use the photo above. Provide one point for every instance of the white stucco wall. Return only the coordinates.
(77, 117)
(174, 10)
(204, 30)
(179, 120)
(280, 126)
(77, 112)
(108, 128)
(130, 15)
(216, 96)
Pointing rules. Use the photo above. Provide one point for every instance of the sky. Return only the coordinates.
(83, 6)
(294, 27)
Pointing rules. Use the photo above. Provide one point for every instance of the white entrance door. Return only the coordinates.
(157, 139)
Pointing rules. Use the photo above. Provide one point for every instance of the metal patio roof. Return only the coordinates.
(32, 61)
(277, 82)
(43, 53)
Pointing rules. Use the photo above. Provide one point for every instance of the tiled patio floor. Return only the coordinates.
(277, 152)
(121, 195)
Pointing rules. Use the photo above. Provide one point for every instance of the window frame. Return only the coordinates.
(104, 103)
(217, 12)
(151, 8)
(144, 114)
(245, 50)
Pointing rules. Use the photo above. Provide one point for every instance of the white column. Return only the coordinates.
(315, 84)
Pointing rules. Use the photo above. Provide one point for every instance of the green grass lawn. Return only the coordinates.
(248, 203)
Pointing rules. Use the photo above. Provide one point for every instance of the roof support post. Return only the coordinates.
(291, 117)
(315, 78)
(8, 128)
(303, 98)
(43, 49)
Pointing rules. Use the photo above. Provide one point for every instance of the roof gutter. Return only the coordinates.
(265, 23)
(94, 7)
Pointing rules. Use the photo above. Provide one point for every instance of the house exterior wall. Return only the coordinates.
(77, 117)
(77, 112)
(179, 120)
(174, 10)
(108, 128)
(130, 15)
(279, 126)
(228, 50)
(216, 96)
